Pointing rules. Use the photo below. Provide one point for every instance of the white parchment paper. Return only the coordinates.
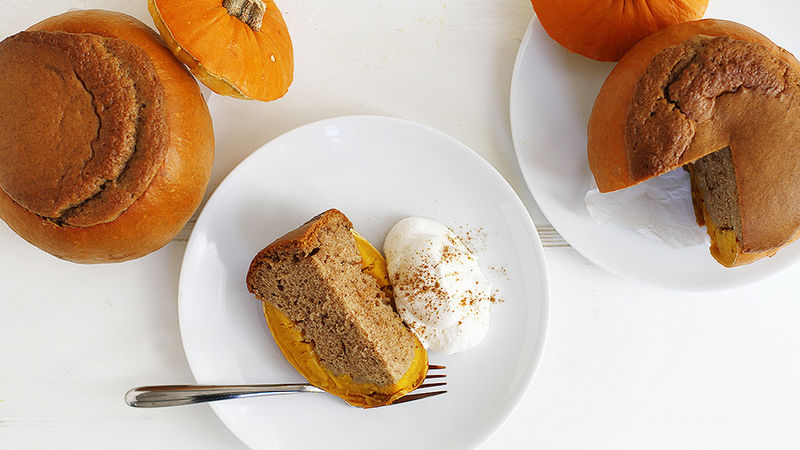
(659, 208)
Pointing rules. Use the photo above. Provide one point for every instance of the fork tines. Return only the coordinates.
(421, 395)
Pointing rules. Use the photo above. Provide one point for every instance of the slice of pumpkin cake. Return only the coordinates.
(330, 319)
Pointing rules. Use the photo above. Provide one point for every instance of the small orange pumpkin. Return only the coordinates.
(605, 29)
(239, 48)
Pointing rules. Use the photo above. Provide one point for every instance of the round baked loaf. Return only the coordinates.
(106, 143)
(723, 101)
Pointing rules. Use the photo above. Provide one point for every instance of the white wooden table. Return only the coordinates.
(625, 366)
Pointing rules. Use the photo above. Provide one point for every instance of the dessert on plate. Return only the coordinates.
(329, 316)
(723, 101)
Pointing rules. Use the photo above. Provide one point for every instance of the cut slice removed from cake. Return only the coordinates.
(331, 320)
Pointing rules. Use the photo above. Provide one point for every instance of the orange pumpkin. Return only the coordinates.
(239, 48)
(605, 29)
(175, 191)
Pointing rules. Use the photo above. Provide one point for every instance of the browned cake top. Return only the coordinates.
(313, 276)
(707, 94)
(678, 94)
(82, 125)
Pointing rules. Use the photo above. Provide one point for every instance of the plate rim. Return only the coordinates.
(539, 346)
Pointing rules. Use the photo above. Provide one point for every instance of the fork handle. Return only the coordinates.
(185, 394)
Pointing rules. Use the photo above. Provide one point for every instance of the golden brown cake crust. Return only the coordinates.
(607, 149)
(678, 93)
(305, 238)
(82, 126)
(178, 186)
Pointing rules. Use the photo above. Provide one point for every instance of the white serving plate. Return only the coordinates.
(376, 170)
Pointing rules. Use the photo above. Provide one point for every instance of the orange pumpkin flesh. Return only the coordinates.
(605, 29)
(300, 353)
(225, 53)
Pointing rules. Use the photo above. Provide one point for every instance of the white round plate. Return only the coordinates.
(552, 93)
(376, 170)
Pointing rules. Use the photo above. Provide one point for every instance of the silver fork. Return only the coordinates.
(187, 394)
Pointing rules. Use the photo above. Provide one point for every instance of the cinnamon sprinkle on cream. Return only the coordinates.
(440, 291)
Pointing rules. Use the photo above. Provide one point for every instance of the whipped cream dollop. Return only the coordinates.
(439, 288)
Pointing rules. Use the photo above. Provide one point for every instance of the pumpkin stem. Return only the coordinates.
(248, 11)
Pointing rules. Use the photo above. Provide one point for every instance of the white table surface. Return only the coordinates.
(625, 366)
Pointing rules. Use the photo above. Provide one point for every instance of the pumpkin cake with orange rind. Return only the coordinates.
(723, 101)
(323, 302)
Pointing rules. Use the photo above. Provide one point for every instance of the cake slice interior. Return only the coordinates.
(313, 276)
